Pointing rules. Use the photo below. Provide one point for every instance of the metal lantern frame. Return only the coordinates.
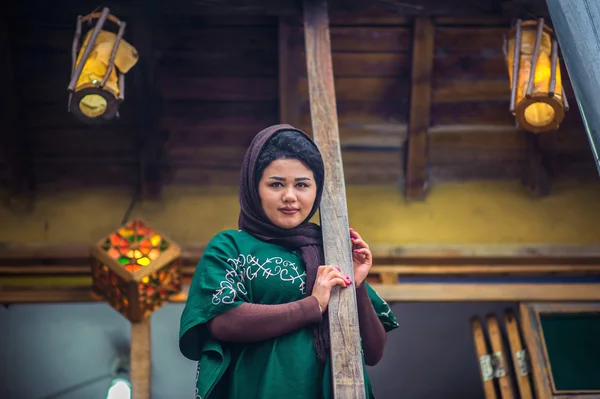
(76, 94)
(531, 97)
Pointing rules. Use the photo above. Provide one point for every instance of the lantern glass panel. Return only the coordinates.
(135, 246)
(539, 114)
(93, 105)
(136, 269)
(155, 289)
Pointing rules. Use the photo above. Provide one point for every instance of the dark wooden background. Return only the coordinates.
(205, 84)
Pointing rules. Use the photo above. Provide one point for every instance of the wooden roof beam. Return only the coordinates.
(420, 108)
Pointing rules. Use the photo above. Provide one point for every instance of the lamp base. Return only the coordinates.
(94, 105)
(552, 110)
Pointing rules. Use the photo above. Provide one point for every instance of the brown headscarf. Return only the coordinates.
(306, 237)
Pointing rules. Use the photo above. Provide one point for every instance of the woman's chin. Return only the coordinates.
(287, 224)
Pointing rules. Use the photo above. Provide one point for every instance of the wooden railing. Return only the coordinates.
(61, 273)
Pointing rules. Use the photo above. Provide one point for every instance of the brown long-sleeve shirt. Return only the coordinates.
(251, 322)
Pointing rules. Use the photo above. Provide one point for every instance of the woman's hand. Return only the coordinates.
(327, 278)
(361, 258)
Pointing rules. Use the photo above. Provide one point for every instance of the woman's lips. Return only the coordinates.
(288, 211)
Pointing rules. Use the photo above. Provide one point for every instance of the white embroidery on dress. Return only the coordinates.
(248, 267)
(389, 317)
(197, 376)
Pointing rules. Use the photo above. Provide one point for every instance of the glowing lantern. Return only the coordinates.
(537, 95)
(97, 85)
(136, 269)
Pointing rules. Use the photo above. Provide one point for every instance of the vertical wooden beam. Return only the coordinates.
(15, 152)
(346, 353)
(140, 360)
(482, 350)
(536, 175)
(420, 106)
(151, 139)
(577, 24)
(289, 105)
(284, 66)
(502, 367)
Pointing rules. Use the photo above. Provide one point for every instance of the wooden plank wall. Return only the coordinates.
(64, 152)
(218, 79)
(371, 64)
(472, 134)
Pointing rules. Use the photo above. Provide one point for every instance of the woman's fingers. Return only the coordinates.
(357, 240)
(337, 281)
(339, 276)
(333, 272)
(362, 253)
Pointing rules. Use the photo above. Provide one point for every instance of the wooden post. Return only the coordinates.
(346, 353)
(577, 24)
(420, 108)
(536, 176)
(140, 360)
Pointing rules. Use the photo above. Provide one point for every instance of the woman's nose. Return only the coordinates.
(289, 195)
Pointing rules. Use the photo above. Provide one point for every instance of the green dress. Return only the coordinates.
(238, 268)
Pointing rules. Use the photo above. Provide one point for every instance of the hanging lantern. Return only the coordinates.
(97, 85)
(537, 95)
(136, 269)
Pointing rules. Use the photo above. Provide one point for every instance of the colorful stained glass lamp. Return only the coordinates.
(136, 269)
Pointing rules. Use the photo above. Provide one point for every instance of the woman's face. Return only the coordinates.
(287, 191)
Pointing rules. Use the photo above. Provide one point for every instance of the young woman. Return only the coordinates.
(256, 313)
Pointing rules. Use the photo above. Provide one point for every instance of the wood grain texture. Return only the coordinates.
(418, 254)
(218, 83)
(536, 346)
(14, 140)
(482, 352)
(516, 348)
(151, 147)
(365, 39)
(537, 174)
(380, 64)
(500, 354)
(385, 273)
(290, 63)
(487, 292)
(420, 108)
(577, 25)
(140, 359)
(533, 340)
(400, 292)
(346, 352)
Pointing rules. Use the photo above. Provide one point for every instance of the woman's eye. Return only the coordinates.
(302, 185)
(276, 184)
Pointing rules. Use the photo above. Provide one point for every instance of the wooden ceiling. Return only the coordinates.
(206, 83)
